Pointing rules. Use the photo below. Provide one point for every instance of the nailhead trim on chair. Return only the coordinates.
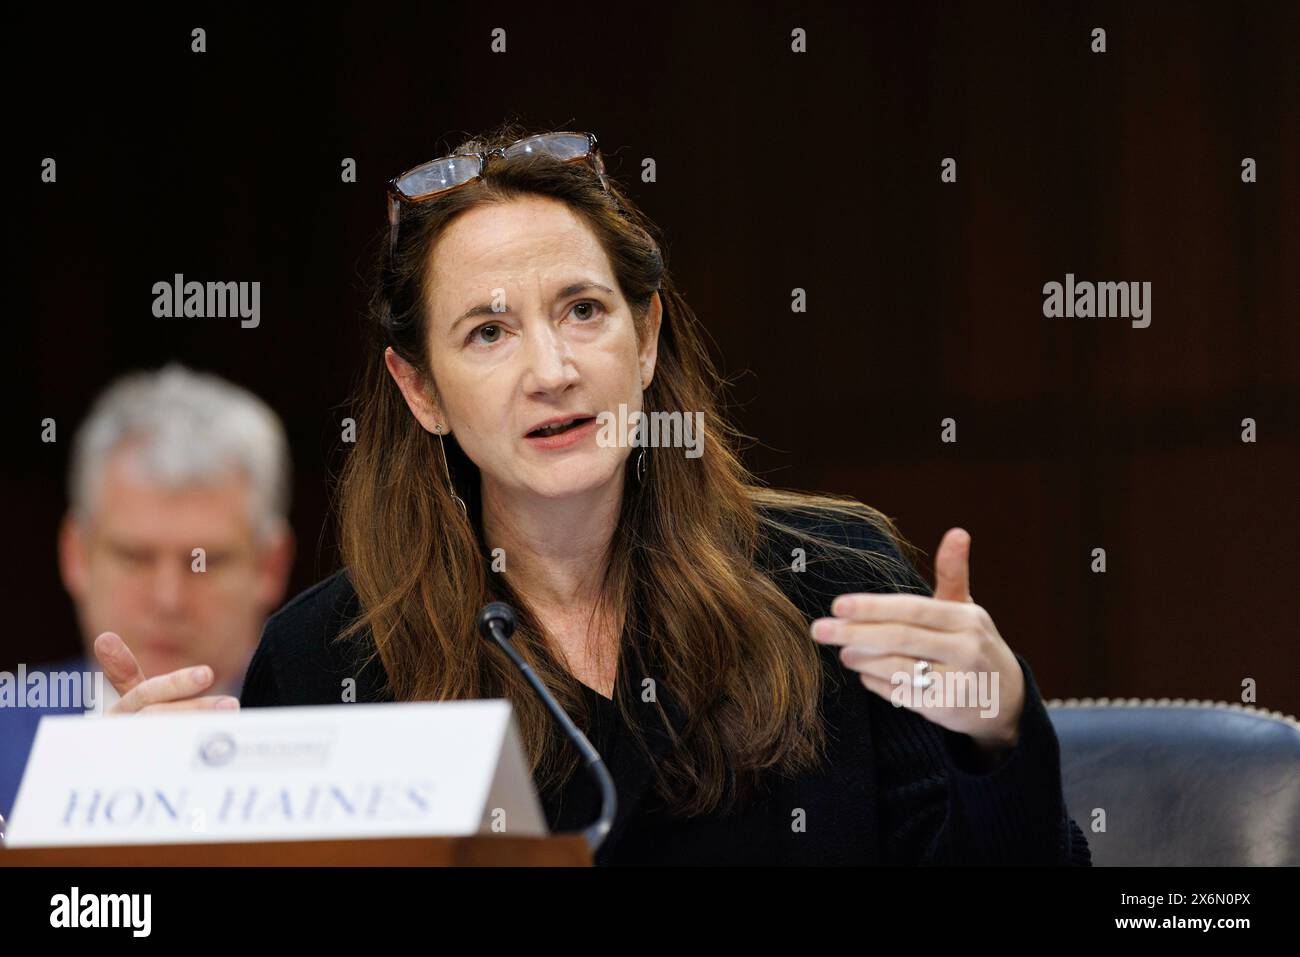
(1171, 703)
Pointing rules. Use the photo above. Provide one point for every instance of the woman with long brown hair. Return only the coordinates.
(735, 651)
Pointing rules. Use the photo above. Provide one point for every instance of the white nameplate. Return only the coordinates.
(302, 773)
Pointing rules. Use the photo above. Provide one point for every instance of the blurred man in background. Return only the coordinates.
(176, 539)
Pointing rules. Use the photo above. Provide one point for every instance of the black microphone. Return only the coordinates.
(496, 622)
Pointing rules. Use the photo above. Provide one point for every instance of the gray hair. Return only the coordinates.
(192, 428)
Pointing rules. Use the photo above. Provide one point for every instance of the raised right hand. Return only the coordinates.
(174, 691)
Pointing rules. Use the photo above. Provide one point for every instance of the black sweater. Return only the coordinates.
(895, 788)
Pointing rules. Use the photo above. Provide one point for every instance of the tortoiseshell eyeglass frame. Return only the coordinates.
(550, 143)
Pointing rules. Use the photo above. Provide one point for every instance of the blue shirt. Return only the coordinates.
(18, 731)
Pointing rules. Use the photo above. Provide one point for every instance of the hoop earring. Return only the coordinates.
(437, 429)
(640, 467)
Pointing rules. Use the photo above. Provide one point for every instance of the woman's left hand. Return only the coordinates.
(888, 635)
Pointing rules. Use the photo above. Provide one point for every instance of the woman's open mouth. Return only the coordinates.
(562, 434)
